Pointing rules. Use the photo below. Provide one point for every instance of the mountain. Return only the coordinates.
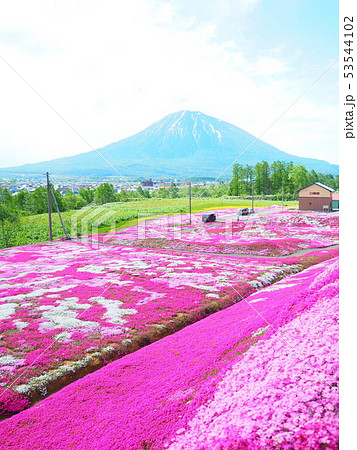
(185, 143)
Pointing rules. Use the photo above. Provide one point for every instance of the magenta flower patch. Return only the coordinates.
(64, 305)
(274, 234)
(262, 373)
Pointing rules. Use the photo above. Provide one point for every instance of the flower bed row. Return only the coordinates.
(284, 392)
(259, 374)
(276, 233)
(67, 308)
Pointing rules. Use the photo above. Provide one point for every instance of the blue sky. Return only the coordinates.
(111, 68)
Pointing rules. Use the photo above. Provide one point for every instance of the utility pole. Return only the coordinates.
(282, 195)
(59, 214)
(49, 206)
(189, 199)
(252, 195)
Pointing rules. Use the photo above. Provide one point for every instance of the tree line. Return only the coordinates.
(265, 180)
(277, 179)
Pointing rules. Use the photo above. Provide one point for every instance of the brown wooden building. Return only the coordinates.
(315, 197)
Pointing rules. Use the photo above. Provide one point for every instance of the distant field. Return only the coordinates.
(35, 228)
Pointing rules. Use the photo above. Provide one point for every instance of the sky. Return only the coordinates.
(80, 74)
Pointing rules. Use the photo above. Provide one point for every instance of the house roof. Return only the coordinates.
(318, 184)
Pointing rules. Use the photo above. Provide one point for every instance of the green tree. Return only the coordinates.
(313, 176)
(6, 197)
(73, 201)
(162, 193)
(87, 194)
(299, 176)
(105, 193)
(39, 203)
(173, 190)
(123, 196)
(280, 177)
(142, 194)
(327, 179)
(336, 182)
(221, 190)
(9, 223)
(236, 186)
(276, 178)
(248, 176)
(262, 181)
(21, 200)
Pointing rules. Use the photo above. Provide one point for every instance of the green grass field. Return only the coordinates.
(35, 228)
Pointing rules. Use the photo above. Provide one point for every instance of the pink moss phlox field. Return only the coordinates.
(64, 302)
(276, 233)
(259, 374)
(284, 392)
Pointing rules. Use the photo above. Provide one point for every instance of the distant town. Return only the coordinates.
(73, 184)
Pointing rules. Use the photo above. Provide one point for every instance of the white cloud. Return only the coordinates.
(112, 68)
(266, 66)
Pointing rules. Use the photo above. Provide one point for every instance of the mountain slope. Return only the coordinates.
(182, 143)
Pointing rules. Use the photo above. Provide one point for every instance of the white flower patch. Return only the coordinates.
(7, 310)
(203, 287)
(72, 303)
(278, 286)
(92, 269)
(105, 266)
(122, 283)
(20, 325)
(256, 284)
(61, 337)
(65, 320)
(260, 299)
(9, 363)
(138, 265)
(7, 360)
(176, 263)
(213, 295)
(194, 280)
(63, 316)
(41, 382)
(228, 273)
(114, 312)
(260, 331)
(38, 293)
(44, 307)
(267, 278)
(13, 277)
